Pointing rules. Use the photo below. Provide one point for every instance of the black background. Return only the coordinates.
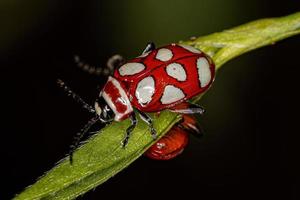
(251, 147)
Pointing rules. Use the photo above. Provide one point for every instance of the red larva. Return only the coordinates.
(173, 143)
(169, 146)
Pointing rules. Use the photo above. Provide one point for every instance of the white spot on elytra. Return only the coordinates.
(176, 71)
(164, 54)
(145, 90)
(204, 73)
(131, 68)
(171, 94)
(190, 48)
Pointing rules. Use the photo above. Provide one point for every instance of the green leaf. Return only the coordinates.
(102, 156)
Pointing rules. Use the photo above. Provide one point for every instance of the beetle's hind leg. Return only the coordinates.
(188, 108)
(146, 118)
(189, 123)
(130, 129)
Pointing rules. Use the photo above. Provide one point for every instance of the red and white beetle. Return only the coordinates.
(159, 79)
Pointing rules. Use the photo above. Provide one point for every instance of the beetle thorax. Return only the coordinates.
(116, 98)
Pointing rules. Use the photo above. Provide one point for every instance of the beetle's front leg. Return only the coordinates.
(146, 118)
(130, 129)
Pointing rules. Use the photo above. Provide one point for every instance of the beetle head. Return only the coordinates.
(103, 110)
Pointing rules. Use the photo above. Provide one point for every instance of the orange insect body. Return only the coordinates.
(174, 142)
(169, 146)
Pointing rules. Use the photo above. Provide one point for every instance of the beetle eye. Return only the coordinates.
(104, 113)
(108, 111)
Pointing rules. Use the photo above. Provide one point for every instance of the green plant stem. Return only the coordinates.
(228, 44)
(102, 156)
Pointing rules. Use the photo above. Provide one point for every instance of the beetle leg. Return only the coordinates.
(146, 118)
(130, 129)
(190, 124)
(112, 63)
(189, 109)
(150, 46)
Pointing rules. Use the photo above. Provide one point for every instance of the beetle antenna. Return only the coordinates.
(112, 63)
(79, 136)
(87, 67)
(75, 96)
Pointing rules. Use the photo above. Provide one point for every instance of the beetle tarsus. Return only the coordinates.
(129, 129)
(146, 118)
(153, 133)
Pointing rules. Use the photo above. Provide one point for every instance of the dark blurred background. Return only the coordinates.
(250, 150)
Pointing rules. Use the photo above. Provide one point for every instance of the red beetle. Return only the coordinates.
(159, 79)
